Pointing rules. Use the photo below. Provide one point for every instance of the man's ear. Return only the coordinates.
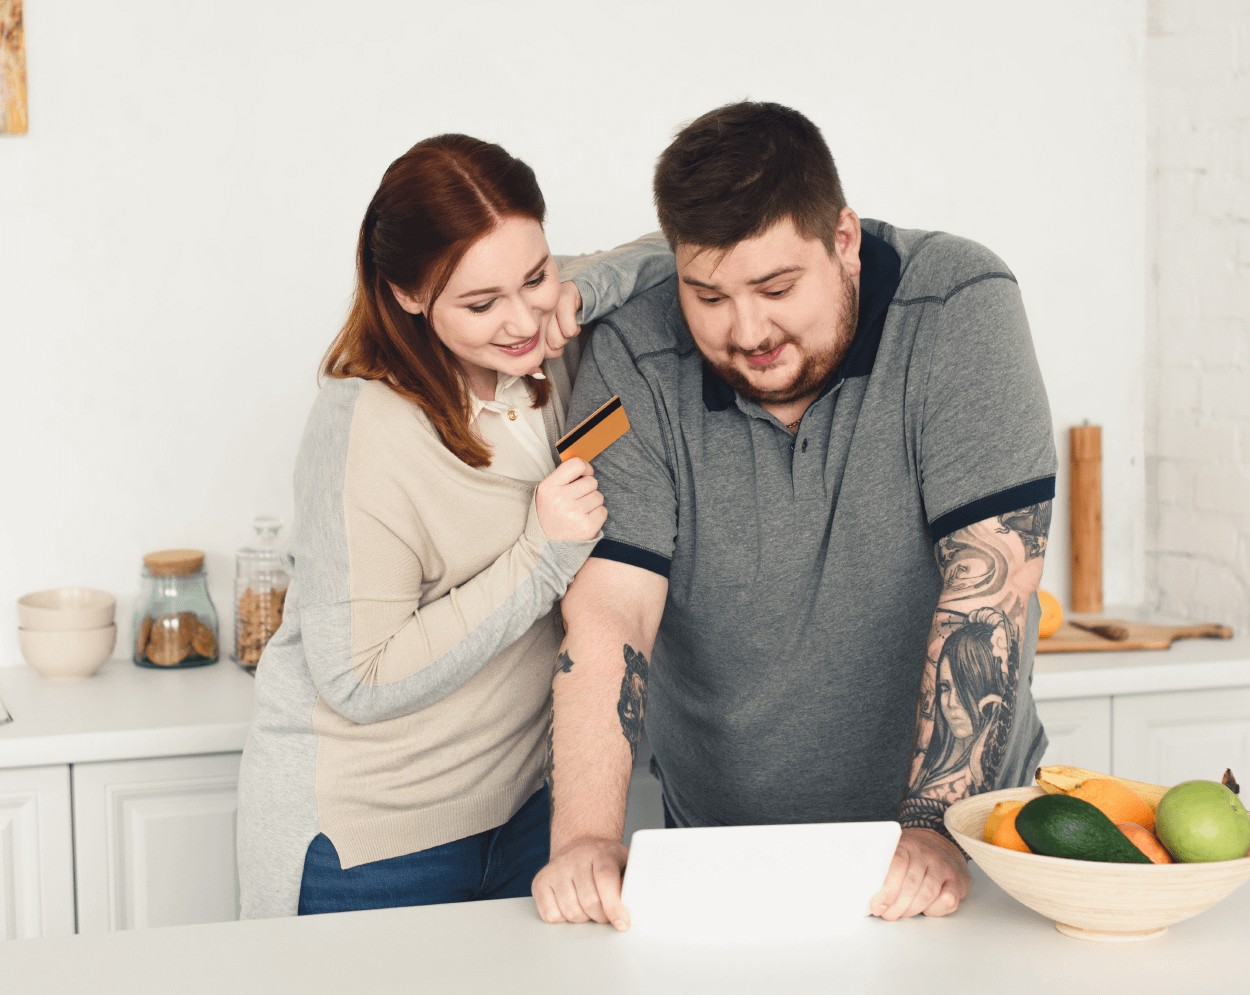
(848, 236)
(406, 300)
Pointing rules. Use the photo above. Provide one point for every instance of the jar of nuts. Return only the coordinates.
(260, 585)
(175, 621)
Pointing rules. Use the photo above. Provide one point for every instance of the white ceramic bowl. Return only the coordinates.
(63, 608)
(70, 654)
(1092, 899)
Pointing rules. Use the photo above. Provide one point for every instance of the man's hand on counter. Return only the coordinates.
(582, 881)
(929, 875)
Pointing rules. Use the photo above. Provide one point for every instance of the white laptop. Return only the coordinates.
(756, 884)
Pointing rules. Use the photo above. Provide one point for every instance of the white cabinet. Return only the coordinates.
(154, 842)
(1079, 731)
(36, 857)
(1179, 736)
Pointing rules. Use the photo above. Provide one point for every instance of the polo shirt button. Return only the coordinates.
(512, 415)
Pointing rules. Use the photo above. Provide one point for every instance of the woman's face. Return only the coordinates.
(957, 716)
(495, 308)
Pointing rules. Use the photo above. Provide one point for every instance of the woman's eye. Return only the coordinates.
(537, 280)
(481, 308)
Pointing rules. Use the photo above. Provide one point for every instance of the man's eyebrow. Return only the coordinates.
(751, 283)
(499, 290)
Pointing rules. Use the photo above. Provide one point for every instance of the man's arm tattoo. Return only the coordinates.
(564, 662)
(633, 700)
(968, 696)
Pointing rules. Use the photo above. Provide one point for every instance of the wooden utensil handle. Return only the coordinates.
(1086, 517)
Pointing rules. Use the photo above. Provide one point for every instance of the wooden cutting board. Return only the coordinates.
(1138, 636)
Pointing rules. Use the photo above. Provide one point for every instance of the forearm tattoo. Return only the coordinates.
(968, 691)
(633, 700)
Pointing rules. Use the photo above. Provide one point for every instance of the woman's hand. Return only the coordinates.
(569, 503)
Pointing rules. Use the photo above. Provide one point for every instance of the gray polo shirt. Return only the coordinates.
(802, 575)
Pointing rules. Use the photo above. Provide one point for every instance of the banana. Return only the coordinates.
(1060, 779)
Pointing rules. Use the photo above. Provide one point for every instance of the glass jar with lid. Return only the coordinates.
(175, 621)
(260, 585)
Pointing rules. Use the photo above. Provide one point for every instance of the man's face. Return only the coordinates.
(775, 315)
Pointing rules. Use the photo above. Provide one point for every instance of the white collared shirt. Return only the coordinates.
(514, 430)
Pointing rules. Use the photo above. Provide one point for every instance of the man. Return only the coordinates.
(825, 528)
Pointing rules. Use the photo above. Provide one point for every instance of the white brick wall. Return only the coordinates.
(1198, 335)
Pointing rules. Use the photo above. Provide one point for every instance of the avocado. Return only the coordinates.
(1063, 826)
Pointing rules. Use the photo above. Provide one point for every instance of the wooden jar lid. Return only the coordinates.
(174, 562)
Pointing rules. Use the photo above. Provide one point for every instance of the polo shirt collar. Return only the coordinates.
(878, 280)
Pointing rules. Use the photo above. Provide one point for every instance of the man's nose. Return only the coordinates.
(750, 329)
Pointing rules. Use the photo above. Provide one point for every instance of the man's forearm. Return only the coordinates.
(591, 747)
(972, 667)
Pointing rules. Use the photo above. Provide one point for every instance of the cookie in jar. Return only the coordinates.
(175, 621)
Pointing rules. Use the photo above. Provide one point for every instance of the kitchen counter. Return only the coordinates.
(124, 712)
(991, 943)
(1189, 665)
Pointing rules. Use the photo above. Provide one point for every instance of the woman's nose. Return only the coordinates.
(522, 319)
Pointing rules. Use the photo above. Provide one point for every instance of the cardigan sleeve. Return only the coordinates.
(376, 644)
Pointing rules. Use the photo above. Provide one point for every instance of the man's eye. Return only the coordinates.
(778, 293)
(481, 308)
(711, 300)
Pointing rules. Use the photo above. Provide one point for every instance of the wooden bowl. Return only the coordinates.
(66, 608)
(70, 654)
(1090, 899)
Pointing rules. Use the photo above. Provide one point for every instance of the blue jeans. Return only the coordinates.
(497, 863)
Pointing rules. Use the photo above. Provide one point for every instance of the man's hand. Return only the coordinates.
(563, 323)
(583, 882)
(928, 875)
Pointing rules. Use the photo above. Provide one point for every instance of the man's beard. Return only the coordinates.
(815, 369)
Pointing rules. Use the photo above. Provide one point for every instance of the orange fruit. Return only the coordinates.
(997, 816)
(1006, 836)
(1115, 801)
(1146, 842)
(1052, 614)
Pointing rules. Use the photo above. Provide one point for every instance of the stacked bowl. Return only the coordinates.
(67, 633)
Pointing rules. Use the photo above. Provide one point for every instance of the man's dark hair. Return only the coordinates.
(738, 170)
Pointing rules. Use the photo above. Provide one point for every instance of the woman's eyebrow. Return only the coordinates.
(499, 290)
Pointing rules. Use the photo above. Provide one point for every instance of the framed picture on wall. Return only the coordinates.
(12, 69)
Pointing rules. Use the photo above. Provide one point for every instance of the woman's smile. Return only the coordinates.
(521, 348)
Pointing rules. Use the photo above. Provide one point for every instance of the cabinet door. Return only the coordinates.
(155, 842)
(1179, 736)
(1079, 730)
(36, 857)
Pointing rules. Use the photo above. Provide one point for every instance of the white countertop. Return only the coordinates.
(124, 712)
(1190, 664)
(127, 712)
(991, 944)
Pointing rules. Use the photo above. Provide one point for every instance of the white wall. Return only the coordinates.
(1198, 355)
(177, 230)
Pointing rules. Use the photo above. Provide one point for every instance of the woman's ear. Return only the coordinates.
(406, 300)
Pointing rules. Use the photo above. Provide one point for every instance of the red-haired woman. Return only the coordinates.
(396, 755)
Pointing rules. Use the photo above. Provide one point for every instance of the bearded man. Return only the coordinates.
(841, 455)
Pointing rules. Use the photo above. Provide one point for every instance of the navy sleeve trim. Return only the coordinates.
(623, 552)
(1012, 499)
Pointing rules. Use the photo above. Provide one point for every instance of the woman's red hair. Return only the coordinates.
(434, 201)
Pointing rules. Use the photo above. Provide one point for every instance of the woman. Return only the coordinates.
(397, 748)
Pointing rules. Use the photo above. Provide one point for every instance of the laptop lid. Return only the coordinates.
(756, 884)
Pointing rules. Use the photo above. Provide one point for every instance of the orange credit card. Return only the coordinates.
(595, 433)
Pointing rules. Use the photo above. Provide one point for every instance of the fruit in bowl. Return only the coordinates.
(1135, 894)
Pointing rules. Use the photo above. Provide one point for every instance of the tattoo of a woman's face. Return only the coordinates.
(973, 669)
(633, 700)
